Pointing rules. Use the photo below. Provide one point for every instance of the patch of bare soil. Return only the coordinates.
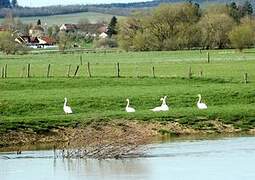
(114, 139)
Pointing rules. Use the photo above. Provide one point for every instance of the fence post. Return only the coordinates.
(208, 57)
(190, 73)
(28, 70)
(201, 73)
(118, 69)
(89, 72)
(48, 71)
(153, 72)
(245, 78)
(5, 71)
(68, 71)
(2, 72)
(76, 71)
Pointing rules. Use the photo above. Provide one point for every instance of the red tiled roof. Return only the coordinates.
(49, 40)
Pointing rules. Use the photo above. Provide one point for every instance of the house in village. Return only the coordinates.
(37, 31)
(103, 35)
(2, 28)
(68, 27)
(36, 42)
(36, 38)
(90, 29)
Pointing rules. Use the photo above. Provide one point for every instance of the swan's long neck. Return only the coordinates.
(164, 101)
(199, 99)
(65, 103)
(127, 103)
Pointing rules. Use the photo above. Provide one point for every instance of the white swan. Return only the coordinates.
(67, 109)
(129, 109)
(159, 108)
(201, 105)
(164, 106)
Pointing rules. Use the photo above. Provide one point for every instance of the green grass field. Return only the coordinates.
(225, 64)
(37, 102)
(68, 18)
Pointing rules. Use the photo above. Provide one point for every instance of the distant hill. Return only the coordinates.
(114, 8)
(67, 18)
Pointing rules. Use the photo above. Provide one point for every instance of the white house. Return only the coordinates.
(103, 35)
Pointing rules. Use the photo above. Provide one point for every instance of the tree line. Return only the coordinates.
(8, 4)
(123, 9)
(188, 26)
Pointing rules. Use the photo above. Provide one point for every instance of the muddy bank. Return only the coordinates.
(105, 132)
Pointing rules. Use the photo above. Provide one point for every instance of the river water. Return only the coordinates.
(216, 159)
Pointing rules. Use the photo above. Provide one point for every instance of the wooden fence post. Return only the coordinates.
(89, 72)
(28, 70)
(245, 78)
(201, 73)
(153, 72)
(48, 71)
(68, 71)
(76, 71)
(2, 72)
(208, 57)
(118, 69)
(190, 73)
(5, 71)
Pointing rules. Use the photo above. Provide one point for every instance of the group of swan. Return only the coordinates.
(163, 107)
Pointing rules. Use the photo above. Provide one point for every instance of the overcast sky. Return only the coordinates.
(64, 2)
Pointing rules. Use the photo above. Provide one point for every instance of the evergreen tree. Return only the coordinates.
(247, 8)
(5, 4)
(112, 27)
(39, 22)
(234, 11)
(14, 3)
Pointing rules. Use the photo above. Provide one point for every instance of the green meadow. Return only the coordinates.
(37, 102)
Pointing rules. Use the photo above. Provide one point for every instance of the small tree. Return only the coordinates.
(242, 36)
(112, 27)
(8, 44)
(247, 8)
(39, 22)
(64, 41)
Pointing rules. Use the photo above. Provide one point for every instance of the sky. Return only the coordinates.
(36, 3)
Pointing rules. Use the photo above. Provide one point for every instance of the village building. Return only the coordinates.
(68, 27)
(37, 31)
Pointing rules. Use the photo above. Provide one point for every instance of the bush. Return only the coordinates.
(242, 36)
(105, 43)
(9, 46)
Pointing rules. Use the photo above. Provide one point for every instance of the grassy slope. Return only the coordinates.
(67, 18)
(37, 102)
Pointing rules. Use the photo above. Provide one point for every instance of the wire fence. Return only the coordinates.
(244, 73)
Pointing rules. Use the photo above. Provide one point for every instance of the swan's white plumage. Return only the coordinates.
(157, 109)
(67, 109)
(163, 107)
(129, 109)
(201, 105)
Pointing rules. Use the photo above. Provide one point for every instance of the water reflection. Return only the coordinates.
(224, 158)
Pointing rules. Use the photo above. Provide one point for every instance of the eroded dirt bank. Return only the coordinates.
(119, 131)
